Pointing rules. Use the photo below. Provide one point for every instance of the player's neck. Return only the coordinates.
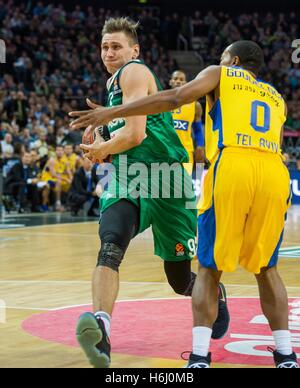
(251, 72)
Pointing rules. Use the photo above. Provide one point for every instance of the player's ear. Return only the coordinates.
(136, 51)
(236, 61)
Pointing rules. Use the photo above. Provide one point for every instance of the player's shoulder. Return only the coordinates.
(136, 68)
(212, 71)
(136, 75)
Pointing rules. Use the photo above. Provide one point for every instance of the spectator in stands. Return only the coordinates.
(35, 161)
(74, 161)
(41, 143)
(291, 163)
(58, 177)
(7, 149)
(21, 184)
(26, 138)
(83, 189)
(197, 24)
(20, 110)
(9, 104)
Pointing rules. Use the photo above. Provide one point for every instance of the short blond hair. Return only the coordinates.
(125, 25)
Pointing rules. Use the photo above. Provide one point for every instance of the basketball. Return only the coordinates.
(88, 136)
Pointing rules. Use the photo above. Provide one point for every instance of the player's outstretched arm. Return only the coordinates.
(165, 101)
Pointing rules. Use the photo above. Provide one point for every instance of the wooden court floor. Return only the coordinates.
(48, 268)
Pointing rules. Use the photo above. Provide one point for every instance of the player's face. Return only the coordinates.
(227, 59)
(59, 152)
(68, 150)
(117, 50)
(178, 79)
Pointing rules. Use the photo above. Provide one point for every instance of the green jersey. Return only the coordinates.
(173, 220)
(161, 143)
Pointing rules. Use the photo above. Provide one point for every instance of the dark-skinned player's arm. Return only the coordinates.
(134, 82)
(207, 80)
(199, 135)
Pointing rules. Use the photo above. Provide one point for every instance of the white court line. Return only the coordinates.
(11, 226)
(150, 283)
(259, 337)
(60, 234)
(44, 281)
(253, 285)
(169, 298)
(26, 308)
(133, 283)
(124, 300)
(87, 304)
(70, 282)
(53, 225)
(67, 224)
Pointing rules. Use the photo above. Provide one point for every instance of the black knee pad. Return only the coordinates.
(110, 256)
(181, 288)
(180, 276)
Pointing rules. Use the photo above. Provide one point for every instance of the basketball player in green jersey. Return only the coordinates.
(147, 140)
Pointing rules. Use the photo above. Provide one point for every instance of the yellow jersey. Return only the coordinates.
(71, 161)
(60, 167)
(183, 120)
(249, 114)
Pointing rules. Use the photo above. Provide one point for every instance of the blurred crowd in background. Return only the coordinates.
(53, 64)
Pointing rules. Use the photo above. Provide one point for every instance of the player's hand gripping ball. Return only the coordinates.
(89, 137)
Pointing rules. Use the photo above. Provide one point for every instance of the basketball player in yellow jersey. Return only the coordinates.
(74, 162)
(187, 121)
(58, 176)
(246, 192)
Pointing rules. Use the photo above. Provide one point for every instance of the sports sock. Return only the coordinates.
(201, 340)
(283, 342)
(106, 320)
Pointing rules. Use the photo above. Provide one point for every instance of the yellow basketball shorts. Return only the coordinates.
(242, 210)
(52, 182)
